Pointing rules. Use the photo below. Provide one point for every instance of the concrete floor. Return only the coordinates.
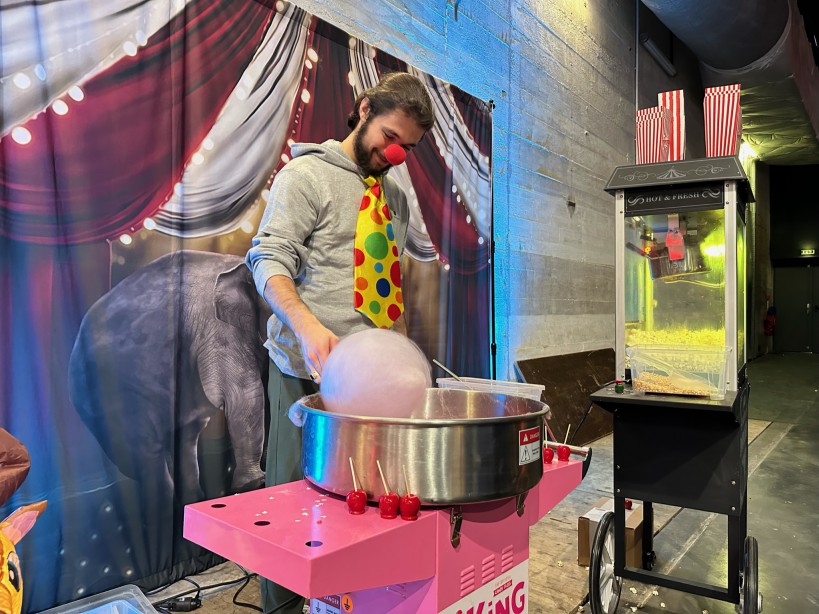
(783, 502)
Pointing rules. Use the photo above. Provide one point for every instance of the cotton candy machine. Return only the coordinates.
(460, 446)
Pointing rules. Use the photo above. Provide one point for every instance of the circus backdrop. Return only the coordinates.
(139, 140)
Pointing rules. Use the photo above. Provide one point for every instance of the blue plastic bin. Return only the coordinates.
(124, 600)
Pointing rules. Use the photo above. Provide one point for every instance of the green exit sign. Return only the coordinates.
(808, 252)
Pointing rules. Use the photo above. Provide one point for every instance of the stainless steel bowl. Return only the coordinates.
(460, 447)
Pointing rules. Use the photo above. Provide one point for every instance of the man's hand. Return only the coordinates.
(315, 339)
(316, 342)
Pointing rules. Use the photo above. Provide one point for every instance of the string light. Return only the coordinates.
(149, 224)
(197, 158)
(76, 93)
(59, 107)
(126, 239)
(21, 135)
(305, 96)
(22, 81)
(129, 48)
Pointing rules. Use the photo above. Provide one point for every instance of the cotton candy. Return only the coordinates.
(375, 372)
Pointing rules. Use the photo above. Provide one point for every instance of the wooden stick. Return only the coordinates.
(406, 481)
(569, 428)
(383, 479)
(352, 470)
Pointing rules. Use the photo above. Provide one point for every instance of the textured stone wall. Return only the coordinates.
(562, 76)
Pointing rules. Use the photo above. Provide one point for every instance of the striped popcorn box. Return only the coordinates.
(652, 128)
(723, 120)
(674, 101)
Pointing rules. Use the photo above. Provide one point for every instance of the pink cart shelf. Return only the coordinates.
(306, 540)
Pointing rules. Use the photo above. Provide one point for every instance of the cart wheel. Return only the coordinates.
(750, 599)
(604, 586)
(649, 558)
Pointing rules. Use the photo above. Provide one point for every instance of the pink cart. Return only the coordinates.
(466, 558)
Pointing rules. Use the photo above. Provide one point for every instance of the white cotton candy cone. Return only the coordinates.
(375, 372)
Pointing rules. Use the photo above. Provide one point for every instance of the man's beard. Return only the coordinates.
(362, 154)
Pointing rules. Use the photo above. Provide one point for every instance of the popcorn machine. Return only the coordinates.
(680, 263)
(680, 402)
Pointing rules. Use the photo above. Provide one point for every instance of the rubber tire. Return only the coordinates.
(602, 553)
(750, 577)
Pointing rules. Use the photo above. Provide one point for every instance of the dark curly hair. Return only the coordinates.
(397, 90)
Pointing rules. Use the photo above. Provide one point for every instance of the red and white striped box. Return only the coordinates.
(723, 120)
(652, 128)
(674, 101)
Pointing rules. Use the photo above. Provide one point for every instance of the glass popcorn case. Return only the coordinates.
(680, 275)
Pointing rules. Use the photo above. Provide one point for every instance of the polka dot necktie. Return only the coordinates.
(377, 292)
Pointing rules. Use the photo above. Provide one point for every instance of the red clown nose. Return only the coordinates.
(395, 154)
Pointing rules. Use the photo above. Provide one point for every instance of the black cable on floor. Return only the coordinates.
(180, 602)
(244, 604)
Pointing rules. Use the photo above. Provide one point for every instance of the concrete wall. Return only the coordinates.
(760, 270)
(562, 76)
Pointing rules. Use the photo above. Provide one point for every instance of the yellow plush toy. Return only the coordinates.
(12, 530)
(14, 466)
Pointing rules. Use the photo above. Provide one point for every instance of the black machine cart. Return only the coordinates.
(682, 451)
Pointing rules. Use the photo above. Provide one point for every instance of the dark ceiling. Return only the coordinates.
(762, 45)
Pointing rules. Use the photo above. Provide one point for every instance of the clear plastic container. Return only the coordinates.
(688, 370)
(126, 599)
(530, 391)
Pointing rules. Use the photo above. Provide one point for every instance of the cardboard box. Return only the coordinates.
(587, 528)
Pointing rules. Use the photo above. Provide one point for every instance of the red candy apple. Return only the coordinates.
(563, 453)
(357, 501)
(410, 504)
(388, 504)
(548, 455)
(628, 504)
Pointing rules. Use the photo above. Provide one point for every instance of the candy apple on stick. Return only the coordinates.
(356, 498)
(564, 451)
(410, 503)
(389, 502)
(548, 453)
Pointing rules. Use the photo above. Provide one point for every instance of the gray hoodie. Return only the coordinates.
(307, 233)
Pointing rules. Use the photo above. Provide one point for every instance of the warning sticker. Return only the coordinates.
(528, 446)
(326, 605)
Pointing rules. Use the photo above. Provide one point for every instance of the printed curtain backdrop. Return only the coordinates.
(139, 139)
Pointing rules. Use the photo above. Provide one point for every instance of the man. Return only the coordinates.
(305, 258)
